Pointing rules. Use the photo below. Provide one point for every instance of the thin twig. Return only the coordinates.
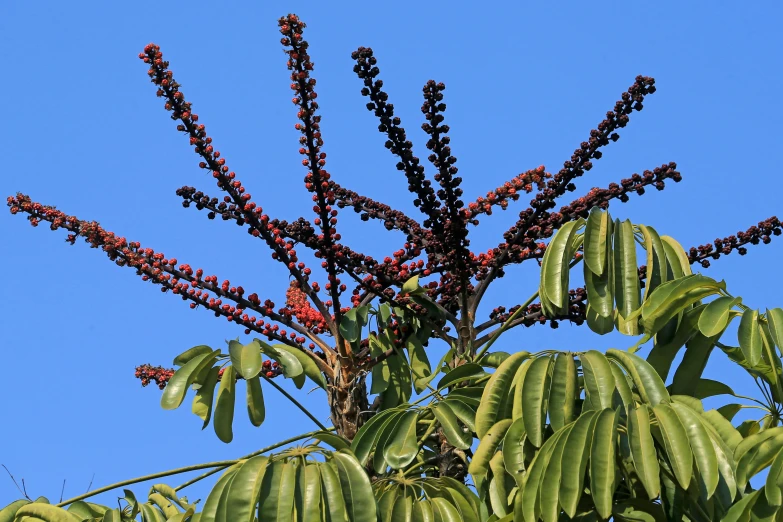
(15, 483)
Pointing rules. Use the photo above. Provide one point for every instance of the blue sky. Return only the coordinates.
(525, 84)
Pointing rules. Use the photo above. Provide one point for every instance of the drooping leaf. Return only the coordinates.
(749, 335)
(715, 317)
(626, 277)
(245, 489)
(462, 373)
(599, 382)
(202, 402)
(495, 393)
(178, 385)
(563, 391)
(209, 512)
(331, 494)
(555, 265)
(576, 453)
(535, 396)
(550, 485)
(645, 457)
(276, 499)
(246, 358)
(419, 364)
(675, 440)
(45, 513)
(703, 451)
(289, 363)
(403, 444)
(602, 461)
(451, 426)
(255, 401)
(365, 438)
(646, 379)
(307, 500)
(488, 445)
(775, 320)
(356, 489)
(597, 240)
(309, 367)
(224, 407)
(656, 259)
(187, 355)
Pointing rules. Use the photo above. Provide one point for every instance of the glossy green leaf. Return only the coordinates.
(8, 513)
(514, 450)
(402, 510)
(576, 453)
(602, 461)
(674, 297)
(307, 499)
(403, 446)
(488, 445)
(535, 396)
(422, 512)
(645, 457)
(452, 429)
(563, 391)
(554, 268)
(205, 395)
(166, 505)
(331, 495)
(224, 407)
(494, 359)
(497, 492)
(444, 512)
(309, 368)
(276, 500)
(665, 351)
(675, 255)
(400, 385)
(773, 488)
(356, 489)
(688, 375)
(709, 388)
(349, 326)
(646, 379)
(716, 316)
(385, 435)
(758, 457)
(597, 323)
(701, 445)
(255, 401)
(675, 441)
(245, 489)
(209, 513)
(332, 439)
(419, 364)
(624, 396)
(411, 286)
(599, 382)
(246, 358)
(463, 411)
(775, 320)
(464, 372)
(364, 441)
(187, 355)
(495, 393)
(598, 238)
(550, 484)
(749, 335)
(656, 259)
(85, 510)
(150, 513)
(626, 277)
(740, 512)
(289, 363)
(178, 385)
(529, 498)
(516, 392)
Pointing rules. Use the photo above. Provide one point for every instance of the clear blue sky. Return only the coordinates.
(83, 130)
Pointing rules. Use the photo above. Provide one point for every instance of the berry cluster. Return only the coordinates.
(754, 235)
(148, 373)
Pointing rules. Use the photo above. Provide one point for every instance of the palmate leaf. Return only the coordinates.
(495, 396)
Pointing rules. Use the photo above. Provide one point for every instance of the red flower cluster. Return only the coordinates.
(148, 373)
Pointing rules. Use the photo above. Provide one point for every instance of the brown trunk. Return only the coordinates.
(348, 404)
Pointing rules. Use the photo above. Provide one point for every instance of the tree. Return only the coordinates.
(581, 435)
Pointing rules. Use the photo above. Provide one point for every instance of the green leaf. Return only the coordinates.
(276, 500)
(665, 351)
(598, 239)
(402, 510)
(245, 489)
(187, 355)
(224, 408)
(675, 441)
(576, 453)
(676, 257)
(602, 461)
(411, 286)
(332, 439)
(513, 450)
(464, 372)
(309, 367)
(656, 259)
(451, 426)
(464, 412)
(403, 446)
(599, 295)
(749, 335)
(775, 321)
(673, 297)
(645, 457)
(758, 456)
(357, 492)
(740, 512)
(307, 499)
(150, 513)
(688, 374)
(626, 277)
(331, 494)
(649, 384)
(550, 485)
(246, 358)
(444, 512)
(491, 409)
(554, 268)
(422, 512)
(701, 445)
(8, 513)
(599, 382)
(419, 364)
(773, 488)
(365, 438)
(716, 316)
(387, 433)
(498, 493)
(202, 402)
(709, 388)
(488, 445)
(209, 512)
(349, 326)
(535, 397)
(288, 362)
(45, 513)
(178, 385)
(255, 401)
(493, 359)
(528, 502)
(400, 386)
(563, 391)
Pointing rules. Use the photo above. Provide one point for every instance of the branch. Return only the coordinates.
(754, 235)
(579, 163)
(253, 214)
